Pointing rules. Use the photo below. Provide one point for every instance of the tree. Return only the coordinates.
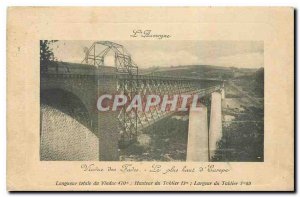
(46, 54)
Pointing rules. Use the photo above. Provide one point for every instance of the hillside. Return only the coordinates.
(254, 83)
(198, 71)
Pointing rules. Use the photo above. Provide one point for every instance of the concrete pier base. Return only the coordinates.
(107, 126)
(197, 147)
(215, 126)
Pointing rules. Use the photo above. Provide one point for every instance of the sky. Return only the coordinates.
(166, 53)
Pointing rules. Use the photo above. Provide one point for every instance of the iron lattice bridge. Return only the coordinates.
(130, 83)
(131, 122)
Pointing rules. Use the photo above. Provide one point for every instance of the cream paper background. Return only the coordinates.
(27, 25)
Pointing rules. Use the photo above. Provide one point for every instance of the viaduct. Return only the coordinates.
(83, 83)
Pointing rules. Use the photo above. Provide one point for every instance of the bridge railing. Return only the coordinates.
(172, 78)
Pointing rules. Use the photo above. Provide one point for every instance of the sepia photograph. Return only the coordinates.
(152, 100)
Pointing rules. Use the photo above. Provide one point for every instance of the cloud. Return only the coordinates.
(172, 53)
(245, 60)
(160, 58)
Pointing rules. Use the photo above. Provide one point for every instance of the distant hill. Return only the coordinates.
(253, 83)
(198, 71)
(258, 82)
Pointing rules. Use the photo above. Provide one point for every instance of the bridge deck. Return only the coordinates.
(73, 69)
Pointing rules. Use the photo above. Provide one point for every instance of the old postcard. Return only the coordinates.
(150, 99)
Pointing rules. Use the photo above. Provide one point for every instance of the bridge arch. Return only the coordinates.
(67, 102)
(69, 136)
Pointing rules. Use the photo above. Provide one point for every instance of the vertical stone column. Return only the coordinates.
(215, 126)
(107, 122)
(197, 147)
(223, 93)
